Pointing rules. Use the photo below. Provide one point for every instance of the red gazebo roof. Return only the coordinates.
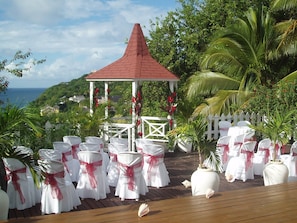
(135, 64)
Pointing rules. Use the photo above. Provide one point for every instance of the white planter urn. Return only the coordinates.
(4, 205)
(204, 181)
(275, 172)
(184, 145)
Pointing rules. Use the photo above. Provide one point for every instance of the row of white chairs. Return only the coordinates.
(61, 169)
(246, 158)
(225, 125)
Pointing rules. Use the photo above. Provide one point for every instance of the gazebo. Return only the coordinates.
(136, 66)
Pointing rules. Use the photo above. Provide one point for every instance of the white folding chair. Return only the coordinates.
(58, 195)
(37, 190)
(222, 148)
(262, 155)
(224, 127)
(100, 144)
(72, 165)
(19, 188)
(92, 181)
(112, 170)
(119, 140)
(243, 123)
(140, 142)
(131, 183)
(154, 170)
(55, 155)
(235, 145)
(290, 160)
(74, 141)
(241, 167)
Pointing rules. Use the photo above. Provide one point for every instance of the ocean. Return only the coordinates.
(21, 96)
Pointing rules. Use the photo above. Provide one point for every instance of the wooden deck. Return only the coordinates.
(258, 204)
(180, 167)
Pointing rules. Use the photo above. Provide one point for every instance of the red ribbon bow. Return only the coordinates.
(90, 168)
(13, 175)
(249, 156)
(50, 179)
(130, 174)
(266, 154)
(75, 150)
(152, 161)
(225, 152)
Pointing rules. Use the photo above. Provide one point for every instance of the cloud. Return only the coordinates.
(75, 37)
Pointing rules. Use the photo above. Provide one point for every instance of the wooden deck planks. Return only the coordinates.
(259, 204)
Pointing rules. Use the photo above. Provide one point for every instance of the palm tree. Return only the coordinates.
(16, 123)
(236, 62)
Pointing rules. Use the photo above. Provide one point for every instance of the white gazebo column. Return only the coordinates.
(106, 98)
(134, 92)
(91, 97)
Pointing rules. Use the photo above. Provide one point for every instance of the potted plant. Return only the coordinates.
(205, 178)
(278, 127)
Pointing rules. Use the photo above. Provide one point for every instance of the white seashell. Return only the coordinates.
(186, 183)
(143, 210)
(209, 193)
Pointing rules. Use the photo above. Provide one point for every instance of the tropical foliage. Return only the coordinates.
(18, 126)
(241, 58)
(194, 130)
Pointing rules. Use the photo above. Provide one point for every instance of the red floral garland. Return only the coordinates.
(171, 107)
(137, 101)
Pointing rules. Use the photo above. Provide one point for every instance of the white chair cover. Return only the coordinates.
(51, 154)
(119, 140)
(19, 188)
(72, 165)
(140, 142)
(235, 145)
(241, 167)
(99, 142)
(224, 127)
(92, 181)
(131, 183)
(154, 170)
(243, 123)
(37, 190)
(262, 156)
(74, 141)
(58, 195)
(290, 160)
(222, 147)
(112, 170)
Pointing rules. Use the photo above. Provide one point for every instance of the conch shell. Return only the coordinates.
(143, 210)
(209, 193)
(186, 183)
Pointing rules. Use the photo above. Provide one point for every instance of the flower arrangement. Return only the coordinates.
(137, 101)
(171, 108)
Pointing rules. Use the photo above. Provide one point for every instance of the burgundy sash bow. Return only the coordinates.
(13, 175)
(65, 159)
(90, 168)
(249, 156)
(266, 154)
(152, 161)
(74, 149)
(225, 152)
(50, 179)
(113, 157)
(129, 172)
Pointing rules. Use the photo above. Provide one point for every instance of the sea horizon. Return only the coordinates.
(20, 97)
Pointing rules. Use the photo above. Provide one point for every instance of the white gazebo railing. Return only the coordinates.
(153, 128)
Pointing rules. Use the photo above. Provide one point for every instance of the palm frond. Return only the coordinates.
(207, 82)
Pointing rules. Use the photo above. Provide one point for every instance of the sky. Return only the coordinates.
(75, 37)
